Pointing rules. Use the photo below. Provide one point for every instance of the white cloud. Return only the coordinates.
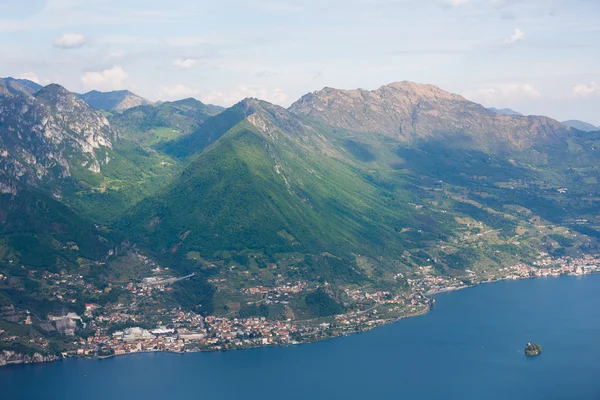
(29, 76)
(502, 92)
(176, 92)
(113, 78)
(184, 63)
(228, 98)
(586, 90)
(70, 41)
(517, 36)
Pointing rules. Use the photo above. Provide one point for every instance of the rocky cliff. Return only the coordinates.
(43, 136)
(12, 357)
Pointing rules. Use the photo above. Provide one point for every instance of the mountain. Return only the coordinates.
(55, 142)
(582, 126)
(117, 100)
(23, 86)
(401, 176)
(206, 134)
(64, 172)
(345, 192)
(40, 232)
(504, 111)
(154, 124)
(47, 136)
(45, 140)
(409, 112)
(270, 185)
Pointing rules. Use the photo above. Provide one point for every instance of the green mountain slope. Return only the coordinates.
(55, 142)
(151, 125)
(265, 182)
(345, 191)
(37, 231)
(207, 133)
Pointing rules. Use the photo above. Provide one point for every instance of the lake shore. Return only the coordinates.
(370, 324)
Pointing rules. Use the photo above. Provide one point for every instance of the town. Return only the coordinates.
(119, 331)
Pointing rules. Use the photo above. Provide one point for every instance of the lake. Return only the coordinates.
(471, 346)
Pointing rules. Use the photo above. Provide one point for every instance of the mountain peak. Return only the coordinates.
(252, 106)
(116, 100)
(421, 90)
(56, 96)
(11, 86)
(52, 89)
(505, 111)
(410, 111)
(408, 89)
(581, 125)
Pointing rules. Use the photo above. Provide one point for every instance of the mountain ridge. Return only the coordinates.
(52, 128)
(14, 85)
(410, 111)
(505, 111)
(116, 100)
(581, 125)
(163, 122)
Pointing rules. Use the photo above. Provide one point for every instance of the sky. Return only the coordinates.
(534, 56)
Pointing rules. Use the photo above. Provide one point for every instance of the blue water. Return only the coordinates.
(469, 347)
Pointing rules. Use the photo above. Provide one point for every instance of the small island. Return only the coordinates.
(533, 349)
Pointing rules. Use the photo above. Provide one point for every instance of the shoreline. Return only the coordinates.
(209, 350)
(384, 322)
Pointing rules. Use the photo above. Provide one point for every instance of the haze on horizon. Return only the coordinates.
(534, 56)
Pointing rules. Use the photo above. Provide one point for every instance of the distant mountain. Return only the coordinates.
(153, 124)
(410, 112)
(504, 111)
(581, 125)
(13, 86)
(118, 100)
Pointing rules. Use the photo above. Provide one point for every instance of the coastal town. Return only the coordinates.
(116, 331)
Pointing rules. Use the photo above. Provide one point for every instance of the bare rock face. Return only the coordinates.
(409, 111)
(43, 135)
(66, 326)
(71, 118)
(11, 357)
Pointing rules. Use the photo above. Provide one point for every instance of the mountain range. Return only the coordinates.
(581, 125)
(118, 100)
(505, 111)
(344, 189)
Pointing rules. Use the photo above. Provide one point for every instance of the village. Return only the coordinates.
(118, 330)
(189, 332)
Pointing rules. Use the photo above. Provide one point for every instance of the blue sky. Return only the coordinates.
(535, 56)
